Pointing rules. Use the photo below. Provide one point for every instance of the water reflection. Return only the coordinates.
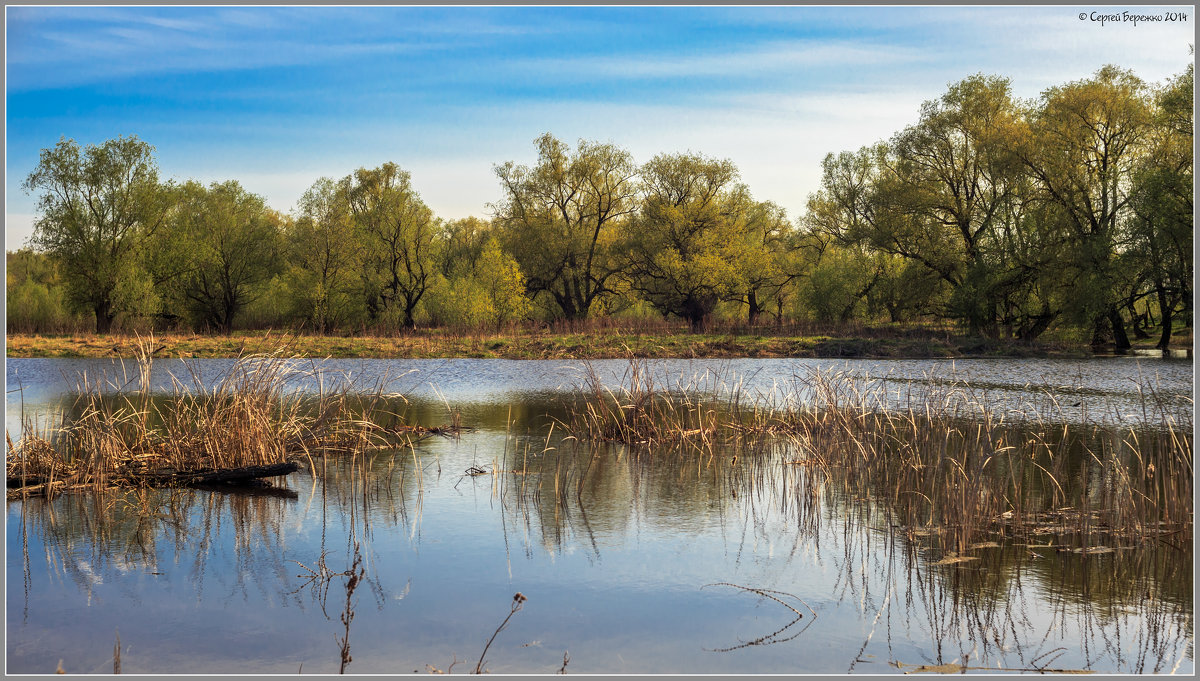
(348, 552)
(632, 560)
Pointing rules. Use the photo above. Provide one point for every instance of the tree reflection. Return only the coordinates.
(1019, 600)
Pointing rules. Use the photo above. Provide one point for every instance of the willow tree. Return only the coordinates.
(1161, 229)
(1086, 142)
(502, 284)
(325, 256)
(954, 173)
(855, 218)
(98, 205)
(769, 263)
(398, 235)
(235, 241)
(463, 242)
(557, 219)
(684, 252)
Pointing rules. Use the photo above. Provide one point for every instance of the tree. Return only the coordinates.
(1162, 225)
(502, 283)
(1023, 256)
(836, 278)
(325, 256)
(955, 172)
(98, 206)
(854, 220)
(768, 266)
(236, 241)
(837, 286)
(35, 298)
(1086, 140)
(556, 219)
(397, 233)
(684, 252)
(462, 243)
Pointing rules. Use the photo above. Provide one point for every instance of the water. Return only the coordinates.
(673, 562)
(1111, 389)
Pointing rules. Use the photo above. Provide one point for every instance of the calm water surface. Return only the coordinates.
(631, 562)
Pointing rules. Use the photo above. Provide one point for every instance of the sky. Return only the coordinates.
(276, 97)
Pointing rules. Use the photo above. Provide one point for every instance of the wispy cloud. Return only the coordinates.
(279, 96)
(93, 45)
(755, 61)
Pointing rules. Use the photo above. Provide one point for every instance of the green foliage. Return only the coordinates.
(835, 290)
(35, 297)
(1072, 209)
(137, 298)
(235, 241)
(904, 289)
(769, 257)
(462, 244)
(490, 294)
(270, 309)
(503, 285)
(688, 248)
(325, 259)
(557, 219)
(459, 303)
(398, 236)
(98, 206)
(1070, 214)
(1082, 150)
(1161, 227)
(31, 307)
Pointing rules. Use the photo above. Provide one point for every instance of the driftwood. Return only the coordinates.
(225, 476)
(208, 478)
(36, 490)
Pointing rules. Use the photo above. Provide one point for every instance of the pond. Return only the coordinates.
(727, 560)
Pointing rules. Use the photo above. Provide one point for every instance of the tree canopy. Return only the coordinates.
(1071, 211)
(98, 205)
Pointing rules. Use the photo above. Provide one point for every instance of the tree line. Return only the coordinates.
(1009, 217)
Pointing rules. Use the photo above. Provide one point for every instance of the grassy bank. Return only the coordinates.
(885, 342)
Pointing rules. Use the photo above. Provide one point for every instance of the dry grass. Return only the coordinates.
(943, 462)
(641, 412)
(251, 417)
(950, 462)
(591, 339)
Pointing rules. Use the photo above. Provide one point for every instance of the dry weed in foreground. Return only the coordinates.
(252, 420)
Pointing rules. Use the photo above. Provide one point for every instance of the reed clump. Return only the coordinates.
(644, 412)
(950, 462)
(942, 460)
(699, 413)
(252, 419)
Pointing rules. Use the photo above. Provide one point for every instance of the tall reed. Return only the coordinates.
(940, 457)
(254, 415)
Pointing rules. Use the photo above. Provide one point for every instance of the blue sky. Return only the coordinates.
(276, 97)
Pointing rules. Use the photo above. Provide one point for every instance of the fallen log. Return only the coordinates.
(26, 481)
(224, 476)
(35, 490)
(46, 489)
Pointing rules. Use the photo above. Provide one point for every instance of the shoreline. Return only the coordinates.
(547, 345)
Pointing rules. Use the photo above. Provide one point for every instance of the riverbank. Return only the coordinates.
(602, 344)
